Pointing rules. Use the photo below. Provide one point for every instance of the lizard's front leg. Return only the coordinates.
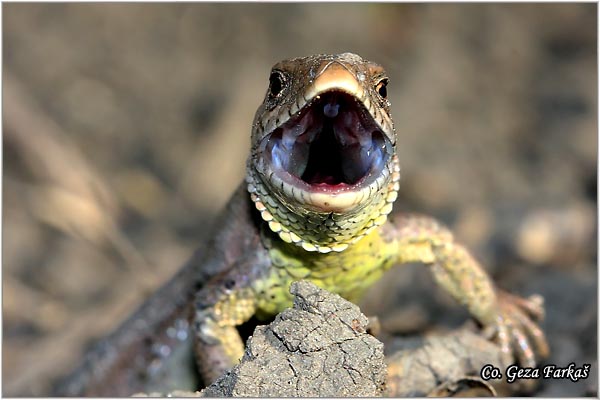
(510, 320)
(224, 304)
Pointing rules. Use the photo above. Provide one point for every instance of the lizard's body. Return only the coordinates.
(322, 177)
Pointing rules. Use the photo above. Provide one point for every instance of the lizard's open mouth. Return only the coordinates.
(332, 145)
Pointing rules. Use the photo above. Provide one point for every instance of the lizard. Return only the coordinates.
(322, 177)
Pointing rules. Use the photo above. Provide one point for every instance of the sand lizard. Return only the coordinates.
(322, 177)
(323, 174)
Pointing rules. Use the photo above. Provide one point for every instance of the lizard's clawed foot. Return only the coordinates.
(516, 329)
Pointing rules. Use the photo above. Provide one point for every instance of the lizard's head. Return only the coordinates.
(323, 170)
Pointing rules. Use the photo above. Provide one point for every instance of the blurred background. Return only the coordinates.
(126, 127)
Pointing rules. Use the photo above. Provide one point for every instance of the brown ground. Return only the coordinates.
(126, 128)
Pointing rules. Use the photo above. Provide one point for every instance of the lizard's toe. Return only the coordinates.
(516, 330)
(533, 305)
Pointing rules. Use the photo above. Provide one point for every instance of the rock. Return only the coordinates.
(318, 348)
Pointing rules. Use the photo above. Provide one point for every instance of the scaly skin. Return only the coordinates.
(338, 235)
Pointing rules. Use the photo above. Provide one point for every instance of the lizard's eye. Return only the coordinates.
(276, 83)
(382, 88)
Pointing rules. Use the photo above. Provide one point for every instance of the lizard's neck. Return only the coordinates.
(348, 272)
(319, 231)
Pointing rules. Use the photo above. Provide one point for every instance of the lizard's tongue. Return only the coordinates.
(329, 145)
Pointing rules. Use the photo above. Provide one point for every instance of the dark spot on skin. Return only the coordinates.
(272, 297)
